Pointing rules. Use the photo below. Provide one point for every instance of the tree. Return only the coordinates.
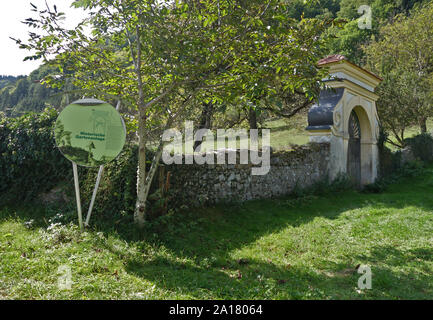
(34, 96)
(394, 106)
(321, 9)
(404, 56)
(351, 39)
(163, 57)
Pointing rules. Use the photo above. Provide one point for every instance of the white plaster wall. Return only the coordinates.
(320, 139)
(338, 157)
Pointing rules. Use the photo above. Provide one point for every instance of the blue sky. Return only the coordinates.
(11, 13)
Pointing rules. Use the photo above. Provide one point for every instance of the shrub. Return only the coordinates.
(389, 162)
(391, 166)
(323, 187)
(379, 186)
(421, 146)
(409, 169)
(117, 190)
(30, 163)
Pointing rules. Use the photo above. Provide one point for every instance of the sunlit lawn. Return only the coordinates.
(283, 134)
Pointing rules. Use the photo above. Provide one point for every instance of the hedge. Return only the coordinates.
(31, 164)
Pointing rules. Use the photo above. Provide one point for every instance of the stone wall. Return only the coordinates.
(193, 184)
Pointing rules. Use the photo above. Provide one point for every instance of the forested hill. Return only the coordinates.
(26, 93)
(9, 80)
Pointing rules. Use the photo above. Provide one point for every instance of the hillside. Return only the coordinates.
(27, 93)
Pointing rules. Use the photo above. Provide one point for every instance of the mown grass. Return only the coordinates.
(304, 248)
(283, 134)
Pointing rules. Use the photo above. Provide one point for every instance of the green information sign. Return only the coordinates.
(90, 132)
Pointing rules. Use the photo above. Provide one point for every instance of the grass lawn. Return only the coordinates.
(283, 134)
(305, 248)
(288, 131)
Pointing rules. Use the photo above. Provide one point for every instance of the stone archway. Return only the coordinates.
(362, 144)
(346, 117)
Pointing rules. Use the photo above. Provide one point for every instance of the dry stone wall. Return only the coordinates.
(194, 184)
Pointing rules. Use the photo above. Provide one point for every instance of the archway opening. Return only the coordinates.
(354, 150)
(360, 147)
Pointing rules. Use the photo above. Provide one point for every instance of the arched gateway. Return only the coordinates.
(346, 117)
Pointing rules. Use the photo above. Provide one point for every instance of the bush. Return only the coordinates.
(421, 146)
(324, 187)
(118, 188)
(389, 162)
(379, 186)
(409, 169)
(391, 166)
(30, 163)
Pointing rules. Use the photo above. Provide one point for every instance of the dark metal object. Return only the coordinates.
(354, 150)
(320, 115)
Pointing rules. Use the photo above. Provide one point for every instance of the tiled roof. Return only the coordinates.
(331, 58)
(337, 58)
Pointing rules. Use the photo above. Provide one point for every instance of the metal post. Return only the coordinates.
(77, 194)
(95, 190)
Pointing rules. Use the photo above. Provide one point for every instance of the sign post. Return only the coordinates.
(77, 195)
(89, 133)
(95, 190)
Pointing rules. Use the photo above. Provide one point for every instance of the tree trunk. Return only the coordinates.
(140, 205)
(153, 169)
(205, 122)
(143, 180)
(423, 125)
(252, 118)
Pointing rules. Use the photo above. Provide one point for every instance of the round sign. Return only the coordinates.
(90, 132)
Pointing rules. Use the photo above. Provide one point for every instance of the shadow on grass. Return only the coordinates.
(396, 272)
(231, 280)
(260, 280)
(400, 273)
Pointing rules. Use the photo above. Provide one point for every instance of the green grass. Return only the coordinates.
(275, 249)
(284, 133)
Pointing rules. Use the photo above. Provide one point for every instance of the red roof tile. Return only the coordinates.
(331, 58)
(338, 57)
